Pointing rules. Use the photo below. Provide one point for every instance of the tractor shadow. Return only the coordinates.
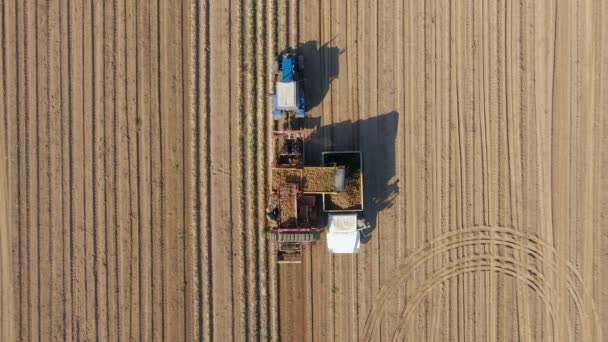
(321, 67)
(375, 138)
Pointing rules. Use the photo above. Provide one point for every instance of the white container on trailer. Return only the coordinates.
(343, 235)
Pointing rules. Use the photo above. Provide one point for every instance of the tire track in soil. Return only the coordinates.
(99, 173)
(31, 145)
(198, 184)
(480, 173)
(43, 178)
(220, 172)
(250, 166)
(110, 170)
(82, 200)
(122, 236)
(20, 88)
(514, 81)
(513, 239)
(89, 326)
(67, 176)
(172, 121)
(240, 32)
(88, 150)
(473, 268)
(12, 123)
(157, 187)
(56, 151)
(6, 306)
(188, 179)
(132, 124)
(144, 177)
(251, 185)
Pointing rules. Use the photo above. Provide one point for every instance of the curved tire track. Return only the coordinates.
(508, 237)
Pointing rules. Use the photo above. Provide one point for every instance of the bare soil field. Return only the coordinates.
(132, 185)
(135, 154)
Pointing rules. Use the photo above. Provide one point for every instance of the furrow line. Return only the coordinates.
(27, 146)
(6, 293)
(142, 281)
(19, 168)
(53, 130)
(251, 185)
(220, 169)
(156, 168)
(190, 158)
(43, 179)
(238, 181)
(258, 241)
(281, 25)
(115, 184)
(99, 172)
(162, 197)
(263, 271)
(109, 171)
(20, 223)
(38, 210)
(65, 285)
(127, 252)
(94, 217)
(86, 184)
(198, 215)
(70, 137)
(205, 250)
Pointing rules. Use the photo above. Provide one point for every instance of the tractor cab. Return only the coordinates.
(288, 97)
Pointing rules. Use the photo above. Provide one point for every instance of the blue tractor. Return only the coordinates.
(289, 96)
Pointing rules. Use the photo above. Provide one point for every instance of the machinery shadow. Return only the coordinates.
(375, 138)
(321, 67)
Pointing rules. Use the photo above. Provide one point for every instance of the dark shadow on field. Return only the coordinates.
(375, 138)
(321, 67)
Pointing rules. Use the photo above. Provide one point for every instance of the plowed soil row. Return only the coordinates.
(133, 179)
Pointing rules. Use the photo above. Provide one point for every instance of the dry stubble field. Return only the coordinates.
(134, 148)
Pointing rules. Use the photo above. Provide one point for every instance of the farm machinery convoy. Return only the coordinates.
(298, 191)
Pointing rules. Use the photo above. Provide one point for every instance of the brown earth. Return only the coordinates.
(135, 170)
